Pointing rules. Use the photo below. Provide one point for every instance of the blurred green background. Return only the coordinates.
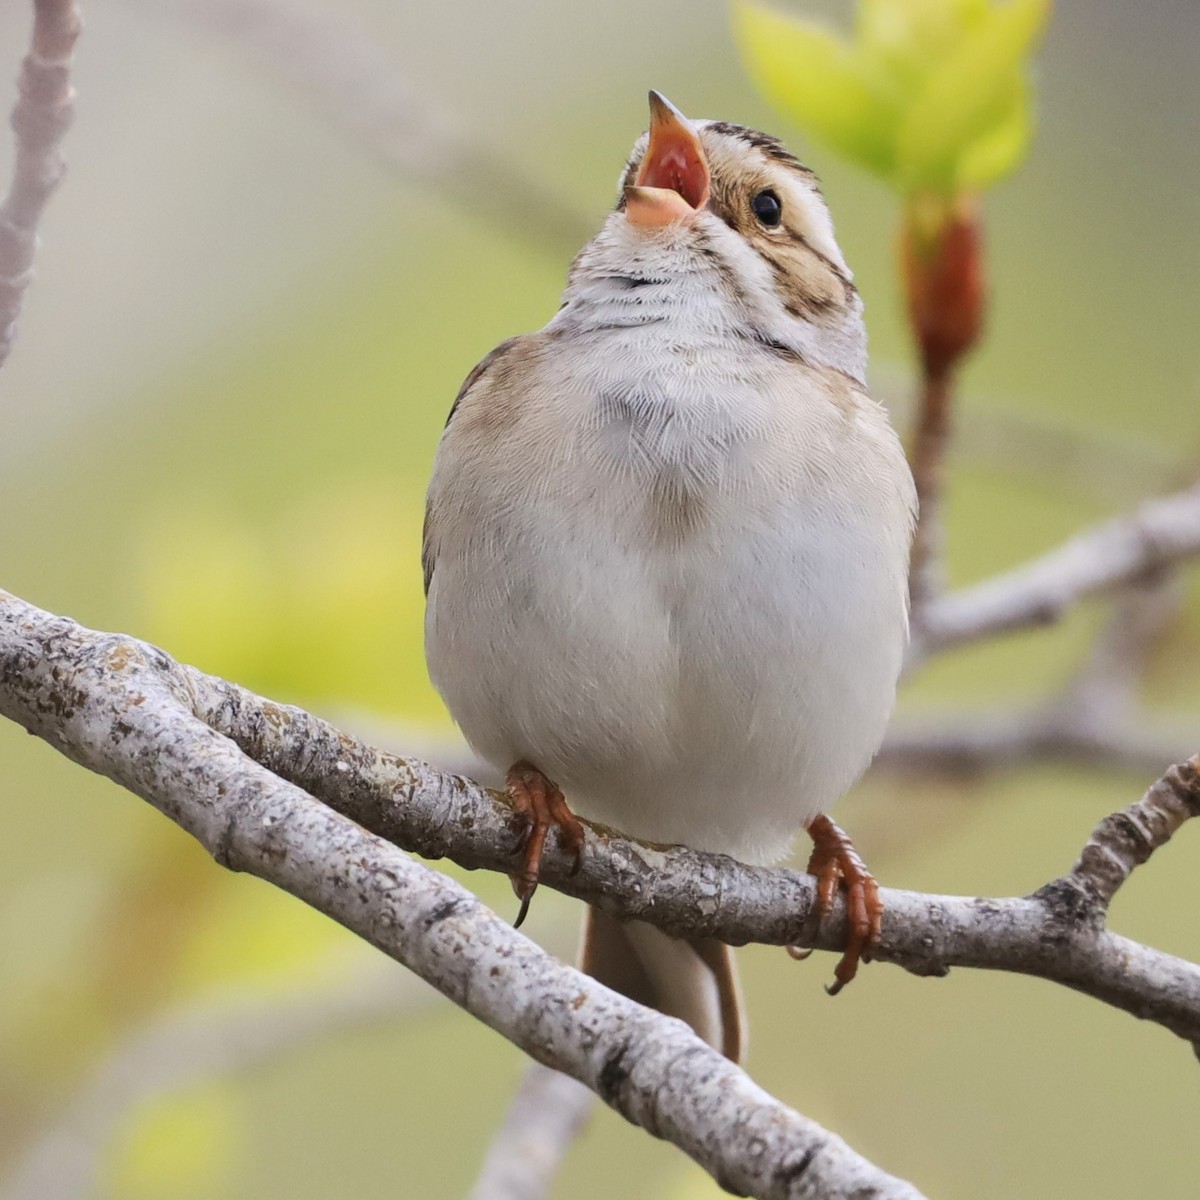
(216, 429)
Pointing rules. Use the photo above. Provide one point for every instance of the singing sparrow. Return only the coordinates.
(666, 546)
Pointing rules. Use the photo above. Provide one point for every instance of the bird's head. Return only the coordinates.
(714, 199)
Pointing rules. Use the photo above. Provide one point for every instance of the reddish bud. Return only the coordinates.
(941, 250)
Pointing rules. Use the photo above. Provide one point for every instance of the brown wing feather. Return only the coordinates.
(489, 360)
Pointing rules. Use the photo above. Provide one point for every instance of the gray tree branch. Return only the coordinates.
(1123, 550)
(949, 744)
(1095, 719)
(44, 109)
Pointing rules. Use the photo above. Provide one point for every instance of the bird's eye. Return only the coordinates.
(767, 208)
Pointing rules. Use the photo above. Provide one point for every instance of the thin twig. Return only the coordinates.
(1104, 694)
(927, 458)
(547, 1114)
(1127, 548)
(1094, 720)
(44, 109)
(942, 264)
(1126, 839)
(947, 743)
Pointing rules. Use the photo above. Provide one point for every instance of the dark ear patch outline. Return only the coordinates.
(723, 211)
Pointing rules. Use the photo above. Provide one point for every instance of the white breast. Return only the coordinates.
(673, 578)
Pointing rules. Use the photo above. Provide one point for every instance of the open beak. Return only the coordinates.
(672, 182)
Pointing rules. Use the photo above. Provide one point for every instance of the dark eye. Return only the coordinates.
(767, 208)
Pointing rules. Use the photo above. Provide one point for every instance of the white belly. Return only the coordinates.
(696, 638)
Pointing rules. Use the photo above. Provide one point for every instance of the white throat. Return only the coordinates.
(704, 286)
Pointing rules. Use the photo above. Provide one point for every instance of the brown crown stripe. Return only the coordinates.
(772, 147)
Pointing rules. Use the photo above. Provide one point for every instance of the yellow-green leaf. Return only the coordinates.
(816, 79)
(909, 37)
(967, 93)
(918, 31)
(995, 153)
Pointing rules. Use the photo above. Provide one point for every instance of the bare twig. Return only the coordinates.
(1128, 838)
(1095, 719)
(941, 256)
(1093, 463)
(340, 70)
(948, 743)
(1103, 696)
(237, 1032)
(548, 1112)
(126, 710)
(941, 742)
(1120, 551)
(927, 454)
(41, 117)
(52, 670)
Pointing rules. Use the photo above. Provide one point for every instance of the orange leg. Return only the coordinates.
(539, 804)
(834, 860)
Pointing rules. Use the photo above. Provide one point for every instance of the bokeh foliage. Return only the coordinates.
(932, 95)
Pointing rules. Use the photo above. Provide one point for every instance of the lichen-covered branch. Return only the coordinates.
(1123, 550)
(42, 114)
(126, 710)
(52, 671)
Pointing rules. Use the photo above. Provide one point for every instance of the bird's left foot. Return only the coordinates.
(539, 805)
(835, 860)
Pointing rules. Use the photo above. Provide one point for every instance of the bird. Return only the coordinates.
(666, 549)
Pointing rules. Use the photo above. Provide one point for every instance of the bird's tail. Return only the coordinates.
(693, 980)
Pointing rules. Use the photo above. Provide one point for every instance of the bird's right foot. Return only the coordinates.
(539, 804)
(834, 860)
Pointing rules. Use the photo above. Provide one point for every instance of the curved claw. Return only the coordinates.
(538, 803)
(834, 860)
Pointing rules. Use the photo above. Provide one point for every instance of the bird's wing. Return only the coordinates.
(472, 381)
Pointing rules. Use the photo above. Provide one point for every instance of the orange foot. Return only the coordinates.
(539, 804)
(835, 860)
